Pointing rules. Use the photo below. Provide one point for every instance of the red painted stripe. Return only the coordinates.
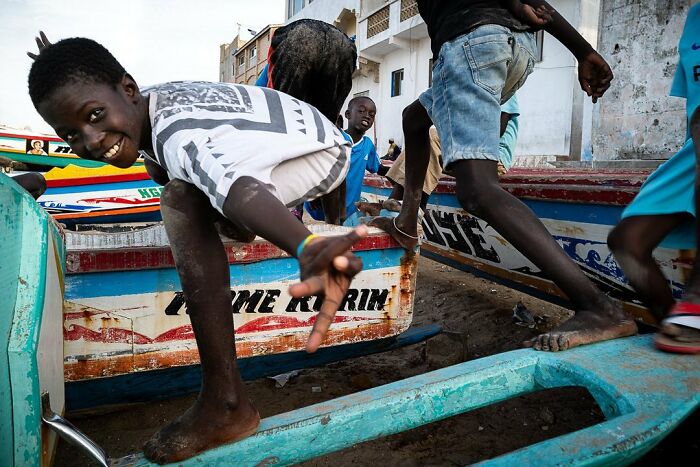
(612, 187)
(41, 137)
(85, 261)
(114, 335)
(105, 212)
(97, 180)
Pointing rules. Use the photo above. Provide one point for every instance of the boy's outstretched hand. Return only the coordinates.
(594, 75)
(326, 268)
(536, 18)
(41, 42)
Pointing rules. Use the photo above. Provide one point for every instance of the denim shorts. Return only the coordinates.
(474, 74)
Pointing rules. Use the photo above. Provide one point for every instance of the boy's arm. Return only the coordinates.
(326, 264)
(594, 74)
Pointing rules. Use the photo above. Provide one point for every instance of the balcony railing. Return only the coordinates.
(409, 9)
(378, 22)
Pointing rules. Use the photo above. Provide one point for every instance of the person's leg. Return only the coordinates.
(632, 242)
(416, 126)
(686, 334)
(597, 317)
(222, 412)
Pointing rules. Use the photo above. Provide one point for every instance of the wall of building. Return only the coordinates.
(637, 118)
(556, 118)
(249, 71)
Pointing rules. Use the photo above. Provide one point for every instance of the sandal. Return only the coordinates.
(684, 315)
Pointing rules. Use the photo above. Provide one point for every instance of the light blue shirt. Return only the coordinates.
(363, 158)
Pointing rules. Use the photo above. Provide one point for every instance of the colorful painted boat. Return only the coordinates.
(579, 208)
(31, 280)
(642, 400)
(40, 149)
(105, 195)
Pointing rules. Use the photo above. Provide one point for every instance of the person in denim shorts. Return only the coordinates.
(483, 51)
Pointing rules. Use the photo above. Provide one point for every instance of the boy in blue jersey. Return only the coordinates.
(664, 212)
(360, 114)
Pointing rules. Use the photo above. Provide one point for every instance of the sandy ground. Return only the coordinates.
(477, 317)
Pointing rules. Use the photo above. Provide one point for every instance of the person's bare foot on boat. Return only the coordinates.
(404, 236)
(201, 428)
(586, 327)
(369, 209)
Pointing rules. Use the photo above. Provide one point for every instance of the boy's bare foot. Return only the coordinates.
(586, 327)
(391, 204)
(369, 209)
(199, 429)
(388, 225)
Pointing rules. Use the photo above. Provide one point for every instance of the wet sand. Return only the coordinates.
(476, 315)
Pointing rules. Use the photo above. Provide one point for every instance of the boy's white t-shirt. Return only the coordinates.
(211, 134)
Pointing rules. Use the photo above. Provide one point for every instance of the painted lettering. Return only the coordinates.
(696, 73)
(377, 300)
(459, 232)
(243, 298)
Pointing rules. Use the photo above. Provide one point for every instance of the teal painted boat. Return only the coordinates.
(31, 324)
(644, 394)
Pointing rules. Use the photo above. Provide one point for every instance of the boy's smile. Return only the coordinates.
(98, 121)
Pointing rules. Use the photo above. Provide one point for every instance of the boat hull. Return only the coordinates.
(125, 313)
(31, 278)
(578, 209)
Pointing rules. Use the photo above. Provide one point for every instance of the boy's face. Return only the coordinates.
(361, 115)
(98, 121)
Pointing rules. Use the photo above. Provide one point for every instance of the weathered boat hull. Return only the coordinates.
(579, 208)
(124, 311)
(31, 280)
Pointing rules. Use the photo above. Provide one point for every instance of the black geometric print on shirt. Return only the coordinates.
(276, 124)
(177, 97)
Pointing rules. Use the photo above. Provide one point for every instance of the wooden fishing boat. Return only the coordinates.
(40, 149)
(104, 195)
(31, 280)
(579, 207)
(642, 400)
(125, 314)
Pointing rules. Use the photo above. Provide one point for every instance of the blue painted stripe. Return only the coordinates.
(106, 284)
(574, 212)
(100, 187)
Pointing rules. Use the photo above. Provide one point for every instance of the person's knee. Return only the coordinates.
(182, 196)
(473, 196)
(624, 242)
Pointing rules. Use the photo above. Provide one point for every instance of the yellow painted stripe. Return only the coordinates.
(74, 171)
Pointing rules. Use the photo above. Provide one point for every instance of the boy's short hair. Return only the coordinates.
(357, 99)
(74, 59)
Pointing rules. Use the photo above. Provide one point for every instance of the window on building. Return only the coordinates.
(396, 82)
(430, 72)
(241, 63)
(295, 6)
(539, 38)
(253, 56)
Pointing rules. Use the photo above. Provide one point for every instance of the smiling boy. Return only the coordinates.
(228, 153)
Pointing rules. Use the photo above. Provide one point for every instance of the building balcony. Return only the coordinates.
(388, 28)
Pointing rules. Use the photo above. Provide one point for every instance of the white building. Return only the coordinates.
(395, 67)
